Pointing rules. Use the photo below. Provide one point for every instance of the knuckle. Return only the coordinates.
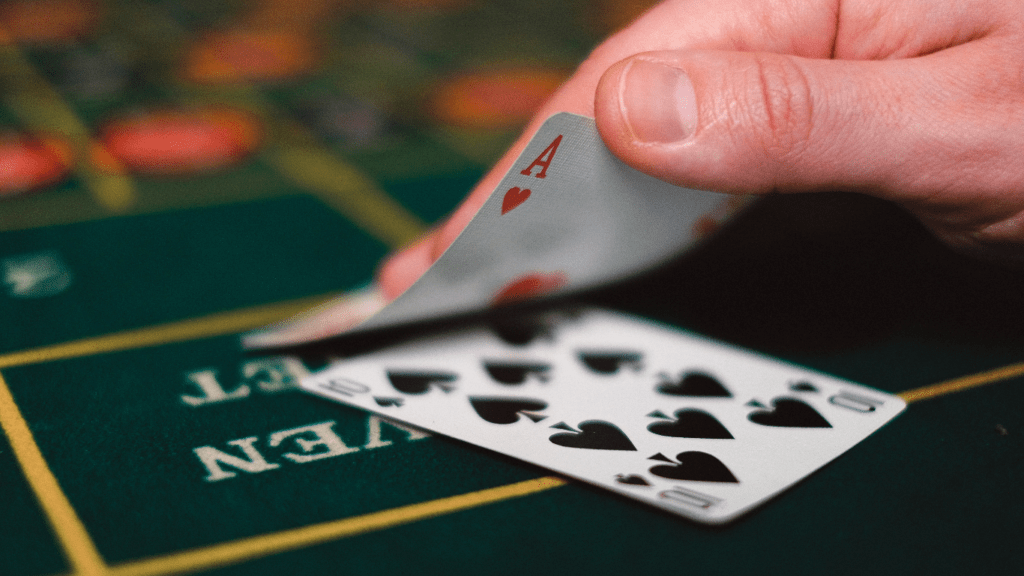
(780, 100)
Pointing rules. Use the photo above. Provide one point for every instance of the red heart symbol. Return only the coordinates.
(530, 285)
(514, 197)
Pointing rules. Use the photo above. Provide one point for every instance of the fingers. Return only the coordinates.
(402, 269)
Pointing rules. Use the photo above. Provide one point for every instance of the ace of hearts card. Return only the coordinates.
(567, 216)
(702, 429)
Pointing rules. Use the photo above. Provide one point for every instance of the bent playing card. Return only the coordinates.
(568, 215)
(700, 428)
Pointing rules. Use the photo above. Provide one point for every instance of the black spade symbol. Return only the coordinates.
(506, 410)
(632, 480)
(519, 331)
(789, 413)
(514, 373)
(610, 362)
(419, 382)
(594, 435)
(803, 387)
(691, 423)
(386, 402)
(695, 384)
(696, 466)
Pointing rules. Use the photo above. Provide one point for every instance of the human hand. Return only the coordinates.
(920, 102)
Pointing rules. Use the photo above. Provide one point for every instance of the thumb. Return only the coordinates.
(754, 122)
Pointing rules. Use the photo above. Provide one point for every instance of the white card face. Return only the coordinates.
(696, 427)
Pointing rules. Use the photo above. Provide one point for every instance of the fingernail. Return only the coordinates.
(657, 102)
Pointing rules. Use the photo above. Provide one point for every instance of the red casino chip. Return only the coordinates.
(493, 99)
(178, 142)
(47, 21)
(233, 56)
(30, 164)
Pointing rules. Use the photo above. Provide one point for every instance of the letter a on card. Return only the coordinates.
(544, 160)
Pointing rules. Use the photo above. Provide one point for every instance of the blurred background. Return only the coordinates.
(109, 106)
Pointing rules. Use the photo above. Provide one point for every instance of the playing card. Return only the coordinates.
(568, 215)
(697, 427)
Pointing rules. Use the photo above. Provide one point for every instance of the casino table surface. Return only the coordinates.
(173, 174)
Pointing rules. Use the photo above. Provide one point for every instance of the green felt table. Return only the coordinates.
(125, 363)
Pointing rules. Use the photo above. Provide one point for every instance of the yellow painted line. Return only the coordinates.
(78, 546)
(193, 329)
(44, 110)
(961, 384)
(340, 185)
(350, 192)
(258, 546)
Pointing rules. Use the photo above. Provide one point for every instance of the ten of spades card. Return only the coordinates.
(702, 429)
